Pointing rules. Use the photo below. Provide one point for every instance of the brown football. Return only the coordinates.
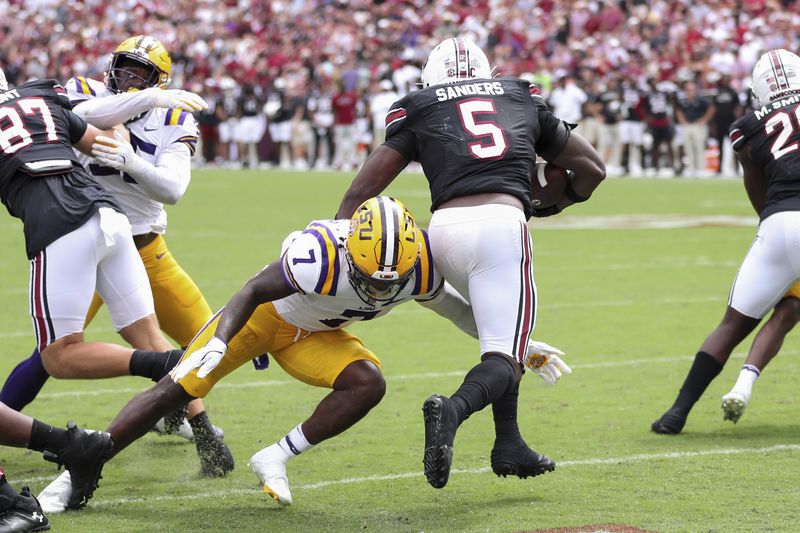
(548, 184)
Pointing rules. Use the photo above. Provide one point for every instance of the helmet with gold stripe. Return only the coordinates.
(138, 63)
(382, 249)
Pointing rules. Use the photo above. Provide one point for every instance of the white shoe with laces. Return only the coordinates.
(271, 472)
(55, 496)
(733, 405)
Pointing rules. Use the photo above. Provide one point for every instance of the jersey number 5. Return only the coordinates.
(783, 121)
(13, 134)
(496, 146)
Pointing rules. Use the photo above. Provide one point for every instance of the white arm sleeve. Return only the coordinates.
(167, 180)
(451, 305)
(114, 109)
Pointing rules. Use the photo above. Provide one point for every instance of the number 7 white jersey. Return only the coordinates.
(313, 262)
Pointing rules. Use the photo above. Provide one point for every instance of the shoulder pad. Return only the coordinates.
(80, 88)
(310, 262)
(396, 116)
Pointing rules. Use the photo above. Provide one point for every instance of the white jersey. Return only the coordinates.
(155, 134)
(313, 262)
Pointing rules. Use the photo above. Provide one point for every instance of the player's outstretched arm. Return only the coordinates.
(378, 171)
(451, 305)
(588, 170)
(107, 111)
(266, 286)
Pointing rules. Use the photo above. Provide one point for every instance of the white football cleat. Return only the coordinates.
(55, 496)
(733, 405)
(272, 473)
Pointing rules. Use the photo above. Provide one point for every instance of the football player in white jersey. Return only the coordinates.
(329, 275)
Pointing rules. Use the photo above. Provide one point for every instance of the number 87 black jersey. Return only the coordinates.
(772, 133)
(476, 136)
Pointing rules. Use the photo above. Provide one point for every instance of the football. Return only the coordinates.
(548, 184)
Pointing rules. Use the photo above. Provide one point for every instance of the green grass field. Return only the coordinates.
(629, 286)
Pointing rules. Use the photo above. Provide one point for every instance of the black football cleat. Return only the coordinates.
(440, 432)
(84, 457)
(216, 459)
(25, 515)
(670, 423)
(515, 458)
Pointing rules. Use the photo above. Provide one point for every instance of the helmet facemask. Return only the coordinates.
(129, 72)
(382, 249)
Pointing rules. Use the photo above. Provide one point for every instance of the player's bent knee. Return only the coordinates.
(55, 357)
(365, 380)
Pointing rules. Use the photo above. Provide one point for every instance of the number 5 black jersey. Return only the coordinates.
(476, 136)
(41, 180)
(772, 133)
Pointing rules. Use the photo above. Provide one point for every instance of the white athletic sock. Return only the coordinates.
(294, 443)
(747, 378)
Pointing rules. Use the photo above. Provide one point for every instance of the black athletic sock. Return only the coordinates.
(153, 365)
(704, 369)
(201, 426)
(485, 383)
(45, 437)
(7, 493)
(504, 410)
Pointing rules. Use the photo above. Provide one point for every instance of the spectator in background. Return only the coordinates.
(251, 125)
(406, 76)
(567, 99)
(279, 117)
(726, 101)
(320, 108)
(381, 101)
(591, 124)
(227, 127)
(208, 121)
(694, 113)
(344, 132)
(658, 107)
(631, 127)
(301, 125)
(610, 106)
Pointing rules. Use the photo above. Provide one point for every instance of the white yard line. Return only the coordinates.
(597, 461)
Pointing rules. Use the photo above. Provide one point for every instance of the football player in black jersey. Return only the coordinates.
(77, 242)
(477, 138)
(767, 141)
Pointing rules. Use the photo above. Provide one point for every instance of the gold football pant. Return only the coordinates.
(180, 306)
(316, 358)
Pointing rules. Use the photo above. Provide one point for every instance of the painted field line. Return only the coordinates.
(599, 461)
(401, 377)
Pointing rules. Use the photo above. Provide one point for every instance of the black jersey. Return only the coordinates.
(773, 134)
(41, 180)
(476, 136)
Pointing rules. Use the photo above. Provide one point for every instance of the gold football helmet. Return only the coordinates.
(138, 63)
(382, 249)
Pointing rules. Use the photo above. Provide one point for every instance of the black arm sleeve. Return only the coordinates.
(553, 134)
(76, 126)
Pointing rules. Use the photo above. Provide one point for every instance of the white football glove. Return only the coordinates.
(546, 362)
(205, 360)
(117, 154)
(181, 99)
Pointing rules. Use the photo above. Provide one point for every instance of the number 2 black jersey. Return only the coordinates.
(773, 134)
(476, 136)
(41, 181)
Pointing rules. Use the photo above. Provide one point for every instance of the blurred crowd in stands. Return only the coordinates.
(306, 83)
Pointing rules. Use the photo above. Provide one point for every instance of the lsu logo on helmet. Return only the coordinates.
(382, 249)
(138, 63)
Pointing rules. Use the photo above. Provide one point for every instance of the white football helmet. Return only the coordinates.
(776, 74)
(454, 60)
(3, 82)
